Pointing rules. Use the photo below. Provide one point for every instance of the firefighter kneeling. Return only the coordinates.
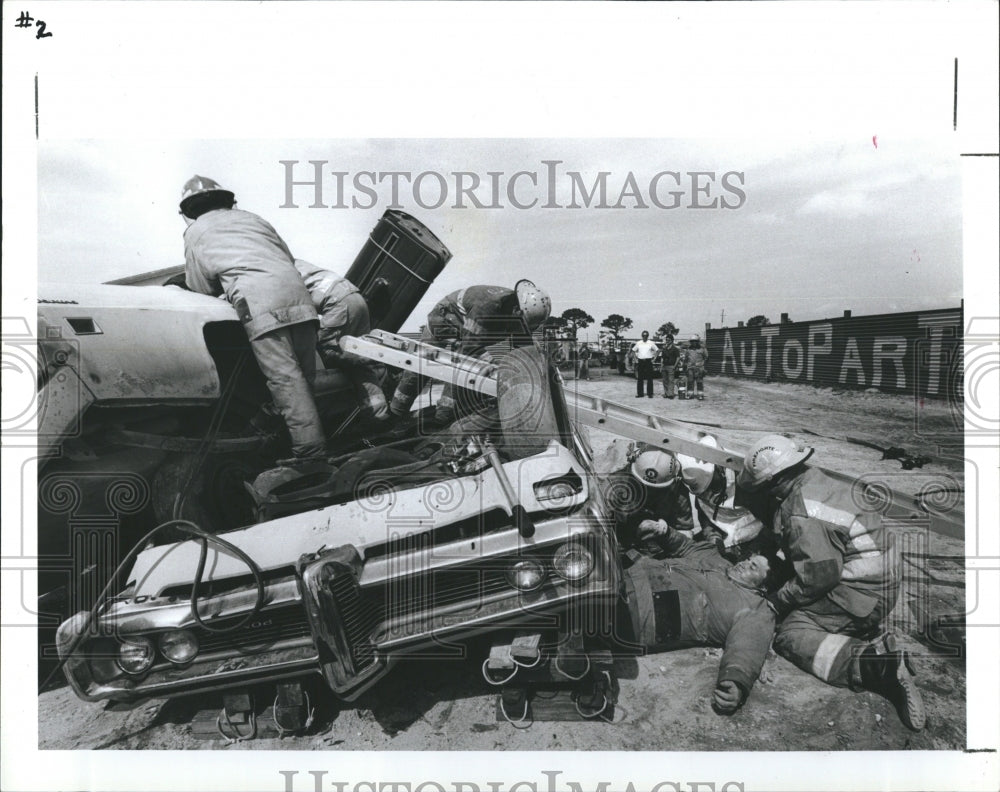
(844, 585)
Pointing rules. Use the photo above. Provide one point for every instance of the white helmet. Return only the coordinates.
(696, 337)
(535, 304)
(768, 457)
(656, 468)
(696, 473)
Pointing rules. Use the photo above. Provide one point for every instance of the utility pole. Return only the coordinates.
(722, 319)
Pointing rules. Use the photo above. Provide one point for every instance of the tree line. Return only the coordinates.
(572, 320)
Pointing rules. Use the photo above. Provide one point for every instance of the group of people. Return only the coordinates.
(292, 309)
(686, 365)
(813, 571)
(683, 521)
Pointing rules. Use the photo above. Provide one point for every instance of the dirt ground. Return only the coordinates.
(664, 699)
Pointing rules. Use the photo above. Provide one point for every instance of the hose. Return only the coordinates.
(214, 425)
(194, 530)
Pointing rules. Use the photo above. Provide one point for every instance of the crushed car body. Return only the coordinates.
(347, 589)
(394, 546)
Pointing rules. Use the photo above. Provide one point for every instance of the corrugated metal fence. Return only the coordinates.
(914, 352)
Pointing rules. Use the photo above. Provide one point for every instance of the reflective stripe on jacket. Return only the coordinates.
(327, 290)
(237, 253)
(838, 549)
(717, 509)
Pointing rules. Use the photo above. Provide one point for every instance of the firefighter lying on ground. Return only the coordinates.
(649, 490)
(469, 320)
(845, 582)
(697, 598)
(343, 311)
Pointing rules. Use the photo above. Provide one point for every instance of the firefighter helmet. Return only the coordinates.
(696, 473)
(200, 185)
(769, 456)
(696, 338)
(535, 303)
(656, 468)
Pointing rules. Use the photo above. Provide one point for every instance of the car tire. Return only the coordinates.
(524, 398)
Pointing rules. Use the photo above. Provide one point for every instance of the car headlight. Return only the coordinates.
(136, 655)
(573, 561)
(558, 493)
(178, 646)
(526, 575)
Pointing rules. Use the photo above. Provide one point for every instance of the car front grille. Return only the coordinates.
(263, 630)
(358, 619)
(419, 600)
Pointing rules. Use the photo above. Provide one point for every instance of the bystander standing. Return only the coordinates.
(644, 351)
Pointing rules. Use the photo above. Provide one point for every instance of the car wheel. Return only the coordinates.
(524, 398)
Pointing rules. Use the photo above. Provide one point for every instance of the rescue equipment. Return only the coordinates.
(635, 424)
(907, 460)
(573, 680)
(396, 266)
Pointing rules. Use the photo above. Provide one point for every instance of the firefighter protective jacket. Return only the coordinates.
(697, 357)
(477, 317)
(633, 502)
(328, 291)
(688, 600)
(237, 253)
(837, 549)
(719, 513)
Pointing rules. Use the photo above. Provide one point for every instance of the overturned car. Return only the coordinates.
(222, 572)
(465, 533)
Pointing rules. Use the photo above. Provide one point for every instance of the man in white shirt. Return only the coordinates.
(644, 351)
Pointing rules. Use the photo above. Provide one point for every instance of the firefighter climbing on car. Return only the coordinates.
(343, 311)
(468, 321)
(236, 253)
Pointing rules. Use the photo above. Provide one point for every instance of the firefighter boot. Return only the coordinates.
(886, 670)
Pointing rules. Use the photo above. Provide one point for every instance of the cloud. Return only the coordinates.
(843, 204)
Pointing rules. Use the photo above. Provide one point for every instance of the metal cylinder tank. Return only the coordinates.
(396, 266)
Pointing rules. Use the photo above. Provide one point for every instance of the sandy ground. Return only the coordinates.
(665, 698)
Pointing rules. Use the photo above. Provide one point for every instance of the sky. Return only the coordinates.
(807, 227)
